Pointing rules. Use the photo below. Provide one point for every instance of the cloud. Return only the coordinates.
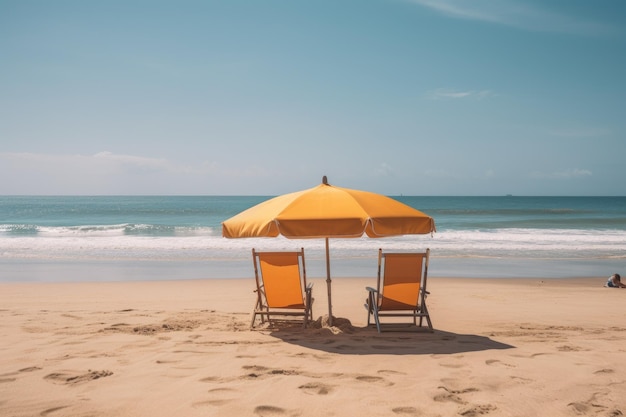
(449, 94)
(110, 173)
(518, 14)
(131, 163)
(562, 175)
(104, 172)
(384, 170)
(102, 162)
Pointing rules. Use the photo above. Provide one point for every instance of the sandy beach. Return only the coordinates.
(502, 347)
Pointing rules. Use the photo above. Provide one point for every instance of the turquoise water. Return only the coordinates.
(140, 237)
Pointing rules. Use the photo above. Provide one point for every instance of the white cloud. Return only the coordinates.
(101, 162)
(518, 14)
(134, 163)
(110, 173)
(102, 173)
(562, 175)
(449, 94)
(384, 170)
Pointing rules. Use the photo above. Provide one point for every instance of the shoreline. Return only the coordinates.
(36, 270)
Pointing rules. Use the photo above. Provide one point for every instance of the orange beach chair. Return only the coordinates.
(401, 289)
(280, 280)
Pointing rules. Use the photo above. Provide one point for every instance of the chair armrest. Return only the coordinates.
(309, 288)
(370, 289)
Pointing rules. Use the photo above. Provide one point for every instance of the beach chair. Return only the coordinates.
(401, 289)
(280, 280)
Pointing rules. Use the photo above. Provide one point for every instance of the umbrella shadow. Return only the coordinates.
(349, 340)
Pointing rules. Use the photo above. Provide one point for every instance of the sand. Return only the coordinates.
(183, 348)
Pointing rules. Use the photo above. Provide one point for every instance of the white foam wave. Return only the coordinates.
(89, 231)
(115, 242)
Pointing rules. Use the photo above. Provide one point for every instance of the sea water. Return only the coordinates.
(177, 237)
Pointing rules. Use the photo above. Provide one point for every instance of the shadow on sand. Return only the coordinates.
(402, 340)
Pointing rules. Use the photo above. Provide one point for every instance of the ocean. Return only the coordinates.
(112, 238)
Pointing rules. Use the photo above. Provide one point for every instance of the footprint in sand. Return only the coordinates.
(374, 379)
(74, 377)
(256, 368)
(320, 357)
(535, 355)
(521, 380)
(580, 408)
(448, 397)
(452, 365)
(269, 411)
(498, 362)
(263, 372)
(452, 395)
(567, 348)
(9, 377)
(52, 410)
(477, 410)
(219, 396)
(71, 316)
(30, 369)
(214, 403)
(316, 388)
(405, 410)
(592, 406)
(390, 372)
(210, 379)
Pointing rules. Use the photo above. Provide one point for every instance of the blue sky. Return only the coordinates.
(414, 97)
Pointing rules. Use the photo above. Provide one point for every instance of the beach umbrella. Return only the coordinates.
(327, 211)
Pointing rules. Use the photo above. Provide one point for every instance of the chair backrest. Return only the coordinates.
(400, 278)
(281, 276)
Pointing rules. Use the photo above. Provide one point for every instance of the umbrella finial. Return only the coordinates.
(324, 180)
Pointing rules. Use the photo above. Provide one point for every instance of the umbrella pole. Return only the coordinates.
(330, 305)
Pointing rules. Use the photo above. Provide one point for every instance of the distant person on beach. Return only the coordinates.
(615, 281)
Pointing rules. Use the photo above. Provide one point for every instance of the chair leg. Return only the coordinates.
(254, 313)
(308, 308)
(377, 319)
(306, 316)
(373, 311)
(427, 315)
(369, 303)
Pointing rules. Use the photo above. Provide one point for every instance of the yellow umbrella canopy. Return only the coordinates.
(327, 211)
